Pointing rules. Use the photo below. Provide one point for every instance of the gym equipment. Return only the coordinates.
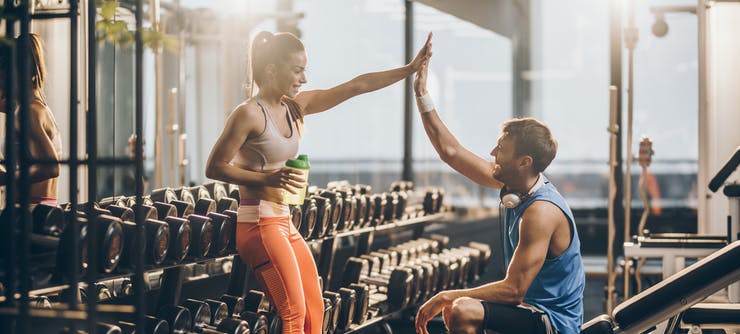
(398, 285)
(224, 231)
(336, 304)
(164, 195)
(184, 208)
(203, 318)
(201, 235)
(47, 220)
(296, 216)
(669, 298)
(152, 326)
(362, 301)
(310, 216)
(323, 209)
(165, 210)
(347, 309)
(155, 245)
(234, 304)
(179, 318)
(180, 235)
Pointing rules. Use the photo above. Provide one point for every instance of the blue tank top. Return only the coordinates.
(558, 287)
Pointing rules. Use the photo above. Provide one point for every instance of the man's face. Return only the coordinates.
(505, 162)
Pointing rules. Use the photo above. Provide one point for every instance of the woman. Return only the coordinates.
(259, 136)
(45, 142)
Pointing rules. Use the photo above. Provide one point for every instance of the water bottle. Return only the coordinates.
(300, 163)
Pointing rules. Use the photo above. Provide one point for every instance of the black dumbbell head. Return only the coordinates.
(48, 220)
(180, 235)
(202, 235)
(222, 233)
(184, 208)
(164, 195)
(165, 210)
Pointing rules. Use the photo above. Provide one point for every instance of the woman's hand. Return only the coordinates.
(425, 53)
(289, 179)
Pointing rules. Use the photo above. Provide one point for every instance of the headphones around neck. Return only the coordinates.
(511, 200)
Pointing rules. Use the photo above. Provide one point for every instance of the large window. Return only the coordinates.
(470, 79)
(361, 140)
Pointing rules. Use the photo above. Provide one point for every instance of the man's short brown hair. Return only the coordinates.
(533, 138)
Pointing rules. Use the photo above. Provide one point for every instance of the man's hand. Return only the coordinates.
(423, 56)
(420, 81)
(431, 308)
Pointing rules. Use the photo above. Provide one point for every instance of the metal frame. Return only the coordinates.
(17, 316)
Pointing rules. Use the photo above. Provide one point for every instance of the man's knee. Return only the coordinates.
(465, 316)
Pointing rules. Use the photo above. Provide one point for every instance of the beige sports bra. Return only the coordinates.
(271, 149)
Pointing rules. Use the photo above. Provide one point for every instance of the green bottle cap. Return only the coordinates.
(298, 163)
(303, 157)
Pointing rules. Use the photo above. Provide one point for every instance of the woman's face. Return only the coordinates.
(291, 75)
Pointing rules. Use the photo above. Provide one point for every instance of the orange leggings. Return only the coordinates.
(282, 262)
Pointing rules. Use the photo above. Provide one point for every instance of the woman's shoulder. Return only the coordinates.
(249, 108)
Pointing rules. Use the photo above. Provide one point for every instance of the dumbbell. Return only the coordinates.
(362, 302)
(234, 304)
(424, 273)
(433, 199)
(179, 318)
(398, 285)
(115, 200)
(323, 209)
(255, 302)
(360, 210)
(402, 186)
(219, 194)
(152, 325)
(99, 289)
(328, 314)
(62, 244)
(234, 192)
(217, 190)
(204, 319)
(224, 230)
(403, 199)
(310, 216)
(348, 211)
(47, 220)
(165, 209)
(233, 216)
(335, 215)
(179, 240)
(347, 309)
(296, 216)
(104, 328)
(110, 238)
(164, 195)
(145, 200)
(201, 235)
(363, 189)
(204, 206)
(336, 306)
(41, 302)
(157, 235)
(485, 251)
(378, 203)
(184, 208)
(389, 210)
(184, 194)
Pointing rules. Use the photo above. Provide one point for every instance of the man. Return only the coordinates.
(543, 288)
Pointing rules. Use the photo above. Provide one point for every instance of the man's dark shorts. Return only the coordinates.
(515, 319)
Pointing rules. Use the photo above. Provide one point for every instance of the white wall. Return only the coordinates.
(720, 117)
